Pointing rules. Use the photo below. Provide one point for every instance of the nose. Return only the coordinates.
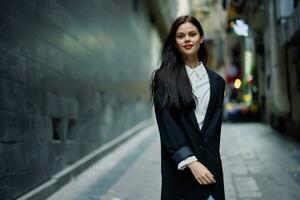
(187, 38)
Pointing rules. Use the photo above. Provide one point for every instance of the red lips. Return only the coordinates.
(188, 46)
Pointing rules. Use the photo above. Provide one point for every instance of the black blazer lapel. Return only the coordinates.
(212, 99)
(194, 121)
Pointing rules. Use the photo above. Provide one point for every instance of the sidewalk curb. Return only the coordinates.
(60, 179)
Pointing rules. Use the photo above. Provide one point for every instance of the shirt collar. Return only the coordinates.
(199, 69)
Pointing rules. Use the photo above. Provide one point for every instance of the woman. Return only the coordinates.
(188, 102)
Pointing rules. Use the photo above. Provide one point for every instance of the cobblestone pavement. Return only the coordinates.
(258, 164)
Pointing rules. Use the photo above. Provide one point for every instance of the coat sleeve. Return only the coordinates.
(172, 138)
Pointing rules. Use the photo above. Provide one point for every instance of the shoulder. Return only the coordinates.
(215, 75)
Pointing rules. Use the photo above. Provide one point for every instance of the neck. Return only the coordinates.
(191, 61)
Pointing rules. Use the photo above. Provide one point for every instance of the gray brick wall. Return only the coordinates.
(73, 75)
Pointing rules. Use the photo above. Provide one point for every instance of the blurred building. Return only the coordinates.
(212, 17)
(268, 57)
(163, 13)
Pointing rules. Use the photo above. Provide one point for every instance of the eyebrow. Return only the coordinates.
(188, 32)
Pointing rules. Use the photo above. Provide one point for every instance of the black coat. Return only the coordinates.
(181, 137)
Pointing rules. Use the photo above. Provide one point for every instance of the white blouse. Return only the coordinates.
(201, 89)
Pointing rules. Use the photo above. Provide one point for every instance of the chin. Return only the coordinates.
(188, 53)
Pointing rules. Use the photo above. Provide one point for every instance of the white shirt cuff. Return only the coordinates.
(184, 163)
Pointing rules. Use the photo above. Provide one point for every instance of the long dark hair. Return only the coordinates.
(170, 82)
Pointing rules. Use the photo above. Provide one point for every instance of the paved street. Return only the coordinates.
(258, 163)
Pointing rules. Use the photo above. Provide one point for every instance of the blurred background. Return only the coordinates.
(74, 75)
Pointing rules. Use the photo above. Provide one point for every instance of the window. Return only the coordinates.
(57, 129)
(136, 5)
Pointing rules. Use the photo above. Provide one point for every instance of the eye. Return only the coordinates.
(180, 36)
(193, 34)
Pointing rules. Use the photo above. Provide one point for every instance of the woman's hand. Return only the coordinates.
(201, 173)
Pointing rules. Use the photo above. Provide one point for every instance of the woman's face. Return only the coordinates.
(188, 39)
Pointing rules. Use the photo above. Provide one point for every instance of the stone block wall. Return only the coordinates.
(73, 75)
